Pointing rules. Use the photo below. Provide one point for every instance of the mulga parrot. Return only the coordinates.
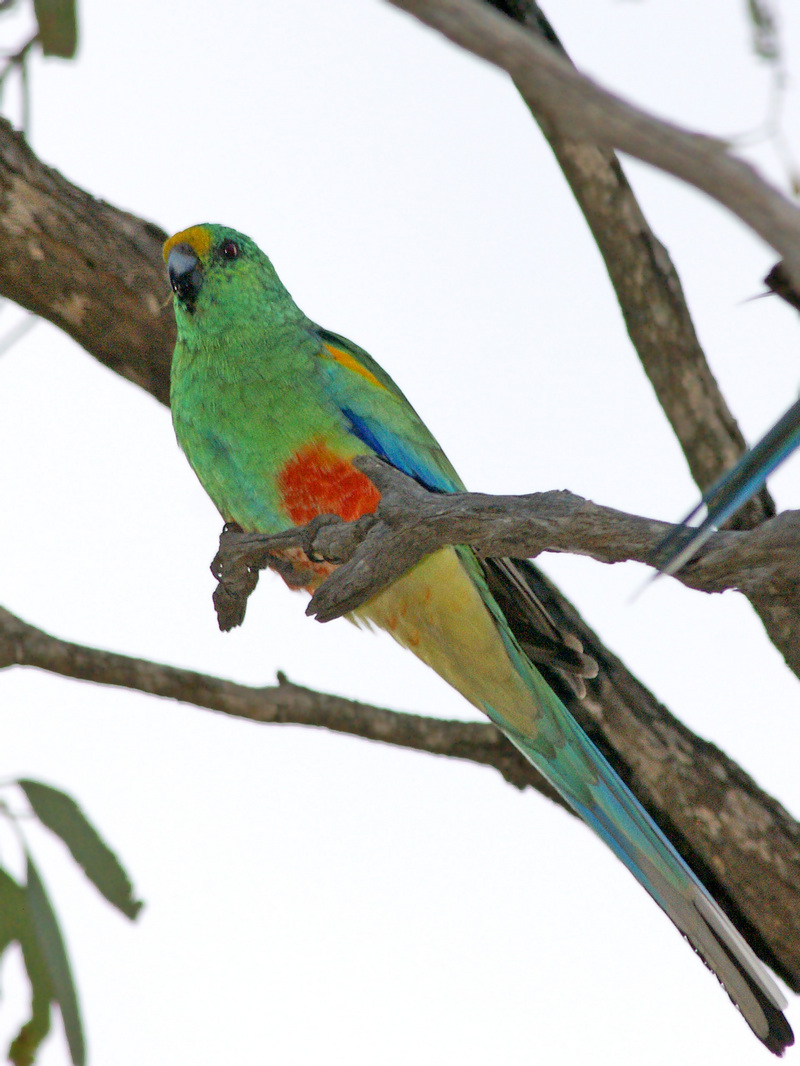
(271, 410)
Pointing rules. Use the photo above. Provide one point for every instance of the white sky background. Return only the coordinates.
(319, 899)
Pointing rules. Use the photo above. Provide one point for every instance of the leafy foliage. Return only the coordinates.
(16, 926)
(61, 814)
(27, 917)
(49, 938)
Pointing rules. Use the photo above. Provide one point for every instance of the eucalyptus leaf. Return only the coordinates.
(28, 1040)
(16, 925)
(48, 936)
(13, 915)
(58, 27)
(61, 814)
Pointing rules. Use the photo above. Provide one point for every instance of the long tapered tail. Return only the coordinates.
(444, 611)
(611, 809)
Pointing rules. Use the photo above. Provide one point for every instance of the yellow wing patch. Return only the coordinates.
(197, 237)
(345, 359)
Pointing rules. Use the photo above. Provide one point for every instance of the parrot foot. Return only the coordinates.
(326, 539)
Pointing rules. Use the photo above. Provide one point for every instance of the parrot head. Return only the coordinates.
(212, 268)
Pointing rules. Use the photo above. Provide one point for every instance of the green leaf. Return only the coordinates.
(15, 924)
(13, 916)
(63, 816)
(26, 1043)
(49, 939)
(58, 27)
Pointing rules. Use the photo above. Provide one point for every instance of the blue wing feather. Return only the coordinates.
(377, 412)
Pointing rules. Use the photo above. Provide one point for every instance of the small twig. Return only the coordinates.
(778, 282)
(25, 93)
(17, 59)
(16, 333)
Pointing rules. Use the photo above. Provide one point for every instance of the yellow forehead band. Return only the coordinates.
(197, 237)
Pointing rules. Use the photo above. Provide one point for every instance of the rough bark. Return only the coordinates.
(89, 268)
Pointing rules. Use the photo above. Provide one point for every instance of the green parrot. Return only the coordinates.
(270, 410)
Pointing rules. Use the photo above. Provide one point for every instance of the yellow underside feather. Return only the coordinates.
(436, 612)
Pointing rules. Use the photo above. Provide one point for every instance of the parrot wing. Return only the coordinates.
(379, 414)
(382, 418)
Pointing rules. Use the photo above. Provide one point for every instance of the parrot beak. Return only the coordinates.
(185, 274)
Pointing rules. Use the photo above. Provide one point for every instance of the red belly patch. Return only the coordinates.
(317, 481)
(315, 572)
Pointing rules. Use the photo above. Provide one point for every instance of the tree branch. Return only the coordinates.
(649, 293)
(411, 522)
(584, 123)
(579, 110)
(743, 843)
(22, 644)
(92, 270)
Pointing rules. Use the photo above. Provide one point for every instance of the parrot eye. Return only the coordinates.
(230, 250)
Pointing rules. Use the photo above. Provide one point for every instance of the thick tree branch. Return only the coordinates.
(89, 268)
(649, 293)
